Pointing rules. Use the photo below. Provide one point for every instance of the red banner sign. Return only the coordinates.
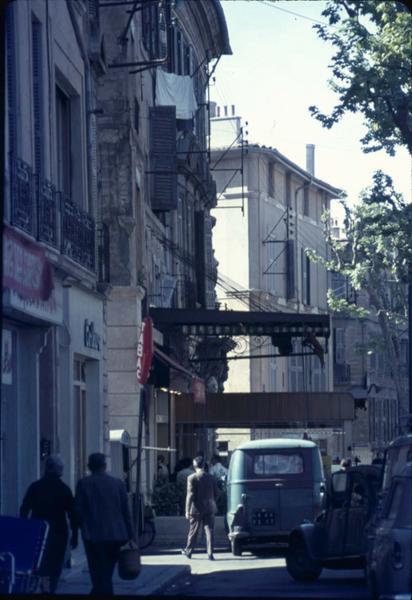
(144, 351)
(26, 269)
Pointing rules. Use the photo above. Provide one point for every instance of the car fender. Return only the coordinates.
(309, 534)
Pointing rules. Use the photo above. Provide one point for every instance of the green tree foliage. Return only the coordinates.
(371, 69)
(376, 257)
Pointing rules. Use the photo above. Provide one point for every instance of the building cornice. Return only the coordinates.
(277, 156)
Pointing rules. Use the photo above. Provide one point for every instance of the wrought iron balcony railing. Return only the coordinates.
(47, 212)
(22, 196)
(47, 215)
(77, 234)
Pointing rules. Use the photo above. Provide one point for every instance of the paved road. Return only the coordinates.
(266, 577)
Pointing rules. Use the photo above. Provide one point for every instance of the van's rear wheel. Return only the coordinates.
(299, 564)
(236, 547)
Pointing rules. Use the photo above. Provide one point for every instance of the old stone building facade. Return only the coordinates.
(108, 197)
(268, 214)
(53, 308)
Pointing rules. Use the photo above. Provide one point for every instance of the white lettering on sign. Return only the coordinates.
(140, 352)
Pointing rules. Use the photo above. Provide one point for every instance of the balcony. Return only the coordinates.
(38, 209)
(77, 233)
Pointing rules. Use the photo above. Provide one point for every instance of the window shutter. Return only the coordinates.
(37, 96)
(163, 158)
(11, 77)
(290, 269)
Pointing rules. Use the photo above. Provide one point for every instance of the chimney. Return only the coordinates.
(310, 158)
(233, 110)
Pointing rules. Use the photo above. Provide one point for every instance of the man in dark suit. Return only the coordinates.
(202, 493)
(104, 517)
(51, 500)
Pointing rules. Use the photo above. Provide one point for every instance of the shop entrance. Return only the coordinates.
(80, 415)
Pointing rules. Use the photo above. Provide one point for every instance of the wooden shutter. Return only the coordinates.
(11, 78)
(37, 96)
(163, 158)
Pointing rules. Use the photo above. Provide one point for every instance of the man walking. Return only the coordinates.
(105, 521)
(51, 500)
(202, 493)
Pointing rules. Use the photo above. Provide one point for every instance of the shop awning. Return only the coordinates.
(172, 363)
(234, 322)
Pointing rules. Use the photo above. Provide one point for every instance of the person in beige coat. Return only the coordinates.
(201, 497)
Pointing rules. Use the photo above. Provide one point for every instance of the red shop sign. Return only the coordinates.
(26, 269)
(144, 351)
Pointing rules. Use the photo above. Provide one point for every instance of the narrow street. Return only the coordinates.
(257, 577)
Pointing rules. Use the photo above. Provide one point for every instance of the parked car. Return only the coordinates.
(272, 486)
(389, 554)
(337, 538)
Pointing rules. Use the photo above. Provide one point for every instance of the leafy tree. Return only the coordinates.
(371, 69)
(376, 257)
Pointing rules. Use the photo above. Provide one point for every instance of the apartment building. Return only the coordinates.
(53, 318)
(268, 213)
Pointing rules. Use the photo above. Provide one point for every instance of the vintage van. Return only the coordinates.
(272, 486)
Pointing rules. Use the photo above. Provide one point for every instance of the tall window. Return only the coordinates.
(305, 277)
(338, 345)
(37, 95)
(63, 142)
(271, 179)
(306, 201)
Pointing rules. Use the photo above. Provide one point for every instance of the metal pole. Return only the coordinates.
(138, 515)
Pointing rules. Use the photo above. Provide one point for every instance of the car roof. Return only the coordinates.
(276, 443)
(367, 470)
(403, 440)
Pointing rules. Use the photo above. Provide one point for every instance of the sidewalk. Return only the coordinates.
(157, 572)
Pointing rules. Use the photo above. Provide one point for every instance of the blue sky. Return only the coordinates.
(279, 68)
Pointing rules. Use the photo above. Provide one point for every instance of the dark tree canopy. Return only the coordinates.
(371, 69)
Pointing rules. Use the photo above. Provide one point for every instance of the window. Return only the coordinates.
(305, 277)
(306, 201)
(11, 78)
(63, 142)
(288, 189)
(150, 29)
(271, 179)
(392, 508)
(136, 115)
(338, 345)
(38, 100)
(277, 464)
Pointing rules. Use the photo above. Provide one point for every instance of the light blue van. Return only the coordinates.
(272, 486)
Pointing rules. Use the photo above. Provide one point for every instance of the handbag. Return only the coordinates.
(129, 565)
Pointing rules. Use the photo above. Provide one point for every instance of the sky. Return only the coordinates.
(279, 68)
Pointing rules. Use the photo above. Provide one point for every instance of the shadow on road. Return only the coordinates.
(272, 581)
